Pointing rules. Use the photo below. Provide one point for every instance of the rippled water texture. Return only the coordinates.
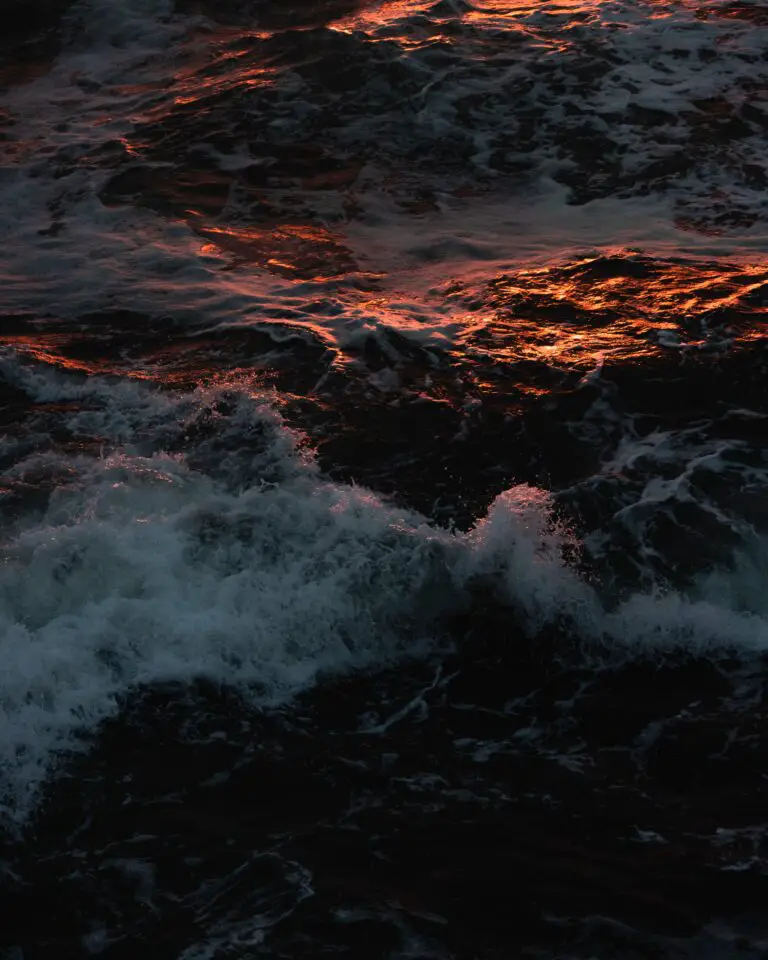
(383, 514)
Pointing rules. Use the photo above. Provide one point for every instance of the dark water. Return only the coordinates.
(383, 420)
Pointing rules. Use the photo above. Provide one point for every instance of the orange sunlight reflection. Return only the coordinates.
(281, 191)
(57, 349)
(291, 250)
(576, 318)
(386, 18)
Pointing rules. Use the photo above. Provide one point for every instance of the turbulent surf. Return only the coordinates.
(383, 471)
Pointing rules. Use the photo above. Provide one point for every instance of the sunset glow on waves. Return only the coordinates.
(456, 205)
(383, 458)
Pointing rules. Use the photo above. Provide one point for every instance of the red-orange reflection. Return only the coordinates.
(180, 363)
(380, 14)
(290, 250)
(387, 20)
(62, 351)
(49, 348)
(603, 309)
(751, 12)
(211, 65)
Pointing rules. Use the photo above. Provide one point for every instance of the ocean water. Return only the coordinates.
(383, 479)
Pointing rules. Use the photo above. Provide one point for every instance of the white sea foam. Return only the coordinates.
(146, 569)
(246, 566)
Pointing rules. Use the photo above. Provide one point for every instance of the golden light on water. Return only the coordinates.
(490, 13)
(573, 317)
(265, 201)
(576, 316)
(292, 250)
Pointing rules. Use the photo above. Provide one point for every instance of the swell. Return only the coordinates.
(357, 575)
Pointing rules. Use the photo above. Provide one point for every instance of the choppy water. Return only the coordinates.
(383, 508)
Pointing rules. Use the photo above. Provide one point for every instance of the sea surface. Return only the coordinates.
(383, 479)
